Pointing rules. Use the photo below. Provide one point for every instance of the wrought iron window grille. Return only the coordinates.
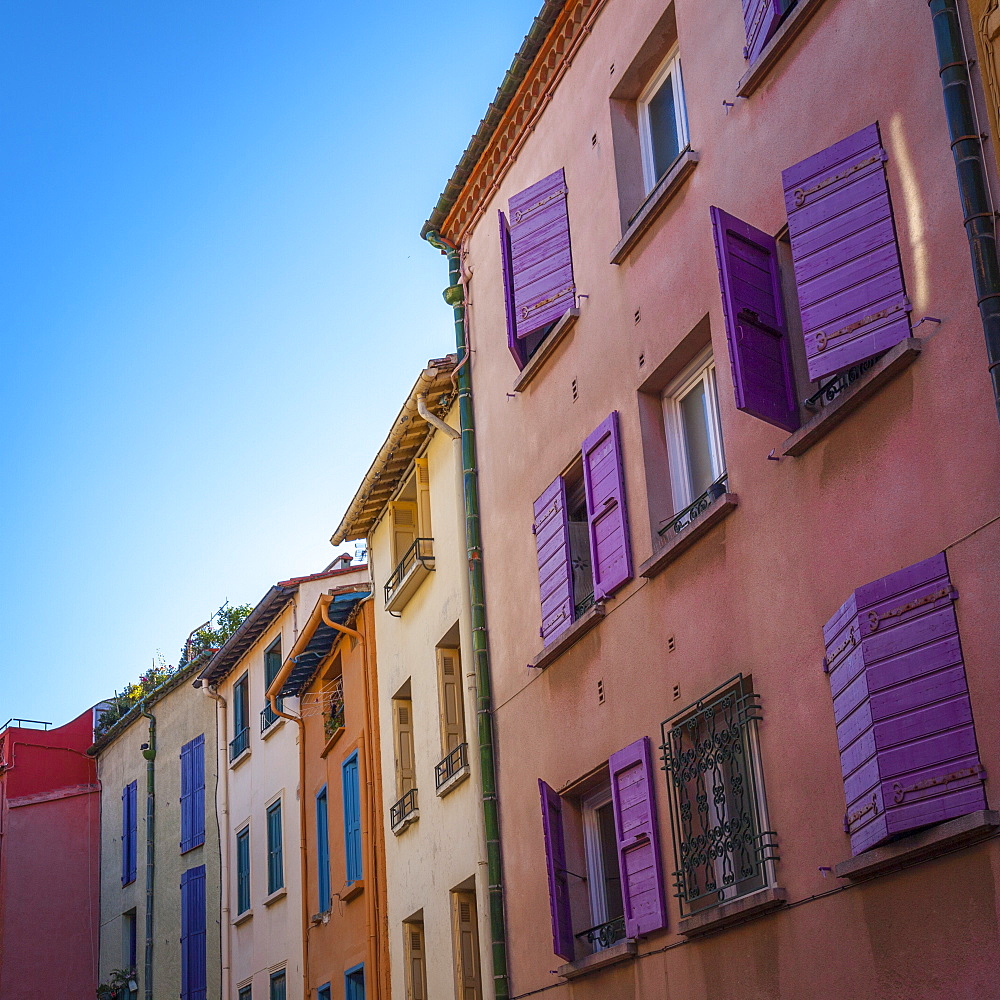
(421, 551)
(451, 765)
(585, 605)
(697, 507)
(239, 743)
(603, 935)
(404, 808)
(829, 391)
(717, 810)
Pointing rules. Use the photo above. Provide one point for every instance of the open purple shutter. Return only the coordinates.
(129, 833)
(638, 838)
(610, 553)
(901, 704)
(194, 955)
(198, 796)
(507, 266)
(756, 330)
(125, 835)
(541, 262)
(555, 575)
(187, 797)
(845, 253)
(555, 866)
(760, 19)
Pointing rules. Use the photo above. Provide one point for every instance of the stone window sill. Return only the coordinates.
(275, 896)
(243, 917)
(588, 620)
(920, 846)
(353, 890)
(406, 821)
(682, 541)
(733, 912)
(273, 728)
(623, 951)
(884, 371)
(235, 763)
(535, 362)
(776, 47)
(454, 781)
(666, 187)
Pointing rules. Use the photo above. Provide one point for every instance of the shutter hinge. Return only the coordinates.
(826, 665)
(541, 633)
(847, 824)
(534, 529)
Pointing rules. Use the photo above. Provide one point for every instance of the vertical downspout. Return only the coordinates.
(966, 146)
(150, 754)
(222, 812)
(455, 296)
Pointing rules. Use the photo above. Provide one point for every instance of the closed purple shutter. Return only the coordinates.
(845, 254)
(638, 839)
(194, 955)
(555, 866)
(901, 704)
(129, 832)
(193, 793)
(756, 330)
(610, 553)
(760, 19)
(541, 262)
(555, 576)
(513, 344)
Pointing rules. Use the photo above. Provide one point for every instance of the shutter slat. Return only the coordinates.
(555, 578)
(555, 866)
(760, 20)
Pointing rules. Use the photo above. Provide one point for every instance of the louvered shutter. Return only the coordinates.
(901, 704)
(194, 955)
(423, 479)
(555, 579)
(416, 961)
(756, 331)
(507, 266)
(322, 851)
(760, 19)
(352, 817)
(452, 703)
(845, 254)
(193, 793)
(610, 553)
(129, 832)
(638, 839)
(275, 858)
(541, 262)
(406, 774)
(467, 972)
(555, 867)
(403, 516)
(243, 870)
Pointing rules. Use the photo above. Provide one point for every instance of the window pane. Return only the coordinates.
(695, 418)
(663, 127)
(609, 862)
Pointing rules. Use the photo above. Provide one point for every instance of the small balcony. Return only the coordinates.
(268, 716)
(404, 812)
(452, 770)
(415, 565)
(239, 744)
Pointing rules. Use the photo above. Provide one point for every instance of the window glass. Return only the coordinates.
(662, 121)
(604, 882)
(278, 985)
(695, 424)
(246, 993)
(663, 127)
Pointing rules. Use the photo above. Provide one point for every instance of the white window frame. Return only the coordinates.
(701, 370)
(670, 66)
(594, 856)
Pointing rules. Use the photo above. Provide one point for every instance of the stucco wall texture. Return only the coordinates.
(912, 472)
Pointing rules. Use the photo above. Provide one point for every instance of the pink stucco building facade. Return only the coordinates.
(743, 648)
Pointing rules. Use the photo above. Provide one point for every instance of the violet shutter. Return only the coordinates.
(610, 554)
(845, 254)
(907, 741)
(555, 867)
(129, 832)
(637, 838)
(193, 793)
(760, 19)
(555, 575)
(756, 331)
(194, 955)
(541, 263)
(507, 265)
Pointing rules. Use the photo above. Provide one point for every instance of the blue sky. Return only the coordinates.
(214, 300)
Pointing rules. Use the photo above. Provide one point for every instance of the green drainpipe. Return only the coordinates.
(967, 148)
(149, 752)
(454, 295)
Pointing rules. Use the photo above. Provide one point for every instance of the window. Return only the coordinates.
(275, 863)
(243, 870)
(662, 121)
(323, 850)
(717, 798)
(604, 881)
(245, 993)
(193, 793)
(761, 19)
(129, 935)
(323, 993)
(404, 810)
(354, 983)
(412, 537)
(452, 704)
(465, 935)
(272, 666)
(194, 954)
(276, 986)
(129, 832)
(694, 432)
(241, 718)
(416, 959)
(352, 818)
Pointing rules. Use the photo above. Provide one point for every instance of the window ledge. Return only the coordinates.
(666, 187)
(192, 847)
(275, 896)
(236, 761)
(885, 370)
(691, 532)
(454, 781)
(549, 344)
(797, 19)
(273, 728)
(337, 733)
(623, 951)
(409, 818)
(243, 917)
(407, 587)
(920, 846)
(352, 890)
(588, 620)
(735, 911)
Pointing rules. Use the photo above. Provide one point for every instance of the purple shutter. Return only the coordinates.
(541, 263)
(129, 833)
(193, 793)
(507, 266)
(761, 19)
(845, 253)
(610, 553)
(194, 955)
(555, 576)
(756, 330)
(555, 866)
(901, 704)
(638, 839)
(186, 798)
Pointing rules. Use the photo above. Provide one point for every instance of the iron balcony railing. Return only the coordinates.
(840, 382)
(239, 743)
(697, 507)
(405, 807)
(452, 764)
(421, 551)
(603, 935)
(268, 716)
(585, 605)
(717, 810)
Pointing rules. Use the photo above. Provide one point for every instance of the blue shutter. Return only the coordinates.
(129, 833)
(243, 871)
(193, 793)
(275, 861)
(194, 956)
(323, 850)
(354, 983)
(278, 986)
(352, 818)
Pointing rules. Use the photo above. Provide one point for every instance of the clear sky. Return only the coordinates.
(214, 299)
